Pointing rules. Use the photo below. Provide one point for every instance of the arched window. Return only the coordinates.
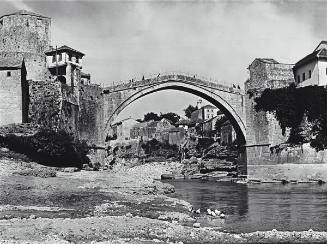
(62, 79)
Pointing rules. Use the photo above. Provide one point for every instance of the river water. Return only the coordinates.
(258, 206)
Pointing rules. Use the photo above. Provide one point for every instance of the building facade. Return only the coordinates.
(205, 112)
(312, 69)
(13, 91)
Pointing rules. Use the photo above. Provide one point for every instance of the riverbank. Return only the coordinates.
(124, 205)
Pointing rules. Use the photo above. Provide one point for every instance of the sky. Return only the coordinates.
(215, 39)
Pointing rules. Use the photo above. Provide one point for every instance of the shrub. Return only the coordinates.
(49, 148)
(302, 110)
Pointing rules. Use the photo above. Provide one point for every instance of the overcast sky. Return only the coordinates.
(218, 39)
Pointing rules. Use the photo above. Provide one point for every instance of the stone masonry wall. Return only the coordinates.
(91, 115)
(35, 64)
(10, 97)
(24, 33)
(27, 37)
(263, 130)
(45, 103)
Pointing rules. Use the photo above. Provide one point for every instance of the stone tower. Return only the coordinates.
(26, 35)
(262, 129)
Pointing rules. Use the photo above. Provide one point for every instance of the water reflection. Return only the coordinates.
(260, 207)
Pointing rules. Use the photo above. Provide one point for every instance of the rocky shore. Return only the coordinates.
(122, 205)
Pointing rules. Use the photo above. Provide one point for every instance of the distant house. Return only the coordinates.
(185, 123)
(227, 133)
(203, 113)
(312, 69)
(176, 136)
(151, 130)
(123, 128)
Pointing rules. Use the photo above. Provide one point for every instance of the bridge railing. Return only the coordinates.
(174, 75)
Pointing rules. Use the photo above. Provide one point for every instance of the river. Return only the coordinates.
(291, 207)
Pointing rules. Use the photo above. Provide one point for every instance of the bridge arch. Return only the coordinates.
(228, 101)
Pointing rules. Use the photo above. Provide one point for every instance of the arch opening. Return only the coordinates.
(207, 95)
(62, 79)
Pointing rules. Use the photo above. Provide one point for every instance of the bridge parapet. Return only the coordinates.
(173, 77)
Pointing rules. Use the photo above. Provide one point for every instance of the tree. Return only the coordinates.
(151, 116)
(174, 118)
(302, 110)
(189, 110)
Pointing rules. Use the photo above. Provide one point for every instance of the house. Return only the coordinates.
(122, 129)
(151, 130)
(65, 63)
(13, 91)
(312, 69)
(176, 136)
(227, 133)
(203, 113)
(185, 123)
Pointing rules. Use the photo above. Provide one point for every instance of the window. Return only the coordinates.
(53, 58)
(60, 57)
(69, 57)
(8, 73)
(309, 74)
(77, 60)
(303, 76)
(298, 79)
(326, 71)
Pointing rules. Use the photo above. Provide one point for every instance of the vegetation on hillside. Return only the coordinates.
(173, 117)
(302, 110)
(189, 110)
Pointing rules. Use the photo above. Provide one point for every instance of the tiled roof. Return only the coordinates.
(308, 58)
(208, 106)
(184, 122)
(25, 12)
(319, 52)
(153, 123)
(268, 60)
(322, 44)
(10, 62)
(63, 48)
(85, 75)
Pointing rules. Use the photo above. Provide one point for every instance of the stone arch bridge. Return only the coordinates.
(228, 99)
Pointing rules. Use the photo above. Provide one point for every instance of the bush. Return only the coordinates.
(156, 148)
(302, 110)
(49, 148)
(204, 143)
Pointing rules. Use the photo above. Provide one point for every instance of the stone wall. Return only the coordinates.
(24, 33)
(293, 163)
(262, 129)
(11, 96)
(91, 114)
(49, 106)
(24, 36)
(54, 105)
(45, 103)
(35, 64)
